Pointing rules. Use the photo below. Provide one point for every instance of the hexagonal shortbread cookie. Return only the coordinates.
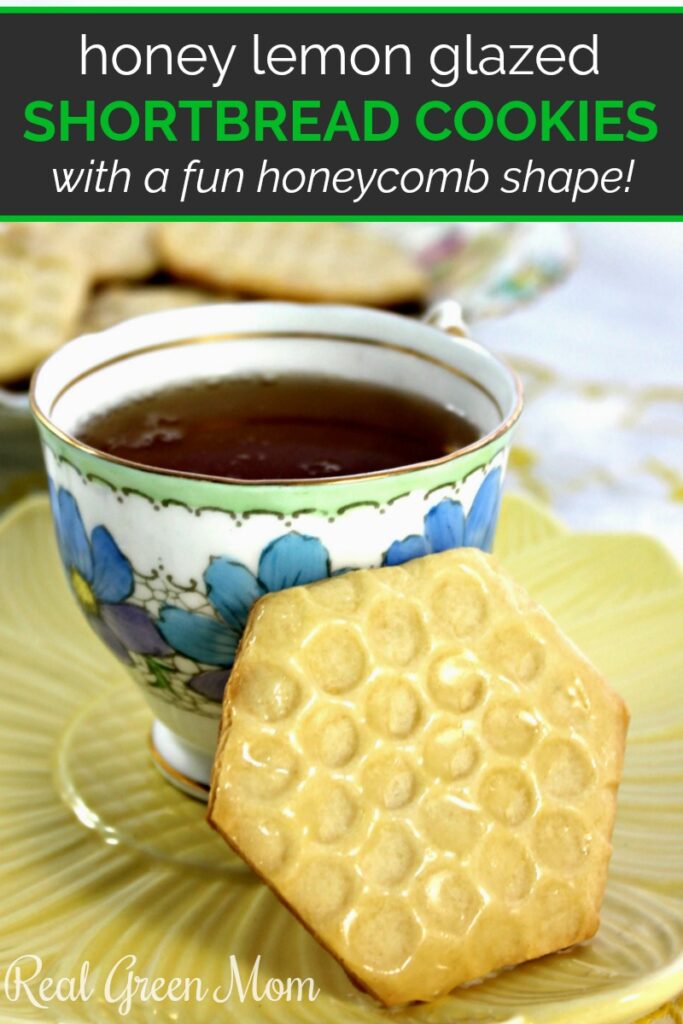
(424, 769)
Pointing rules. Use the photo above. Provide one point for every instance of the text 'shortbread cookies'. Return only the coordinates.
(42, 294)
(424, 769)
(309, 262)
(112, 251)
(115, 303)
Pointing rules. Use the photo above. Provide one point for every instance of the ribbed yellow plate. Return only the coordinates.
(99, 858)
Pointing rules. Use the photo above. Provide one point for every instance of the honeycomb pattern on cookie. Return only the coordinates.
(300, 261)
(437, 786)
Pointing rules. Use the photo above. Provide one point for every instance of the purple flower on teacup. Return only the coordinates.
(231, 588)
(101, 578)
(446, 525)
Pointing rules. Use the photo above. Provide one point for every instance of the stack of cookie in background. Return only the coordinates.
(59, 280)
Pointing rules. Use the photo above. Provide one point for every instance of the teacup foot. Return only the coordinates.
(182, 765)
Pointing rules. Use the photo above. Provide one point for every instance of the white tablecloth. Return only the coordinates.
(602, 357)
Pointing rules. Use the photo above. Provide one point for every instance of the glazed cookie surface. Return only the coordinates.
(112, 304)
(42, 293)
(424, 769)
(110, 251)
(309, 262)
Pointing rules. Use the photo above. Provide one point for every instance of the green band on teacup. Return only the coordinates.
(327, 497)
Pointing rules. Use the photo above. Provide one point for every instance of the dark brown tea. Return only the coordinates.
(278, 428)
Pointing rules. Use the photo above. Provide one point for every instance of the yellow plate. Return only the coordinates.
(100, 859)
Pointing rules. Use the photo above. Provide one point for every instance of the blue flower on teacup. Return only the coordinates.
(446, 525)
(231, 588)
(101, 578)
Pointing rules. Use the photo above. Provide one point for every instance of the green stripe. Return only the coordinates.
(372, 218)
(330, 498)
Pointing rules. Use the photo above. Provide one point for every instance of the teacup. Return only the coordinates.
(165, 565)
